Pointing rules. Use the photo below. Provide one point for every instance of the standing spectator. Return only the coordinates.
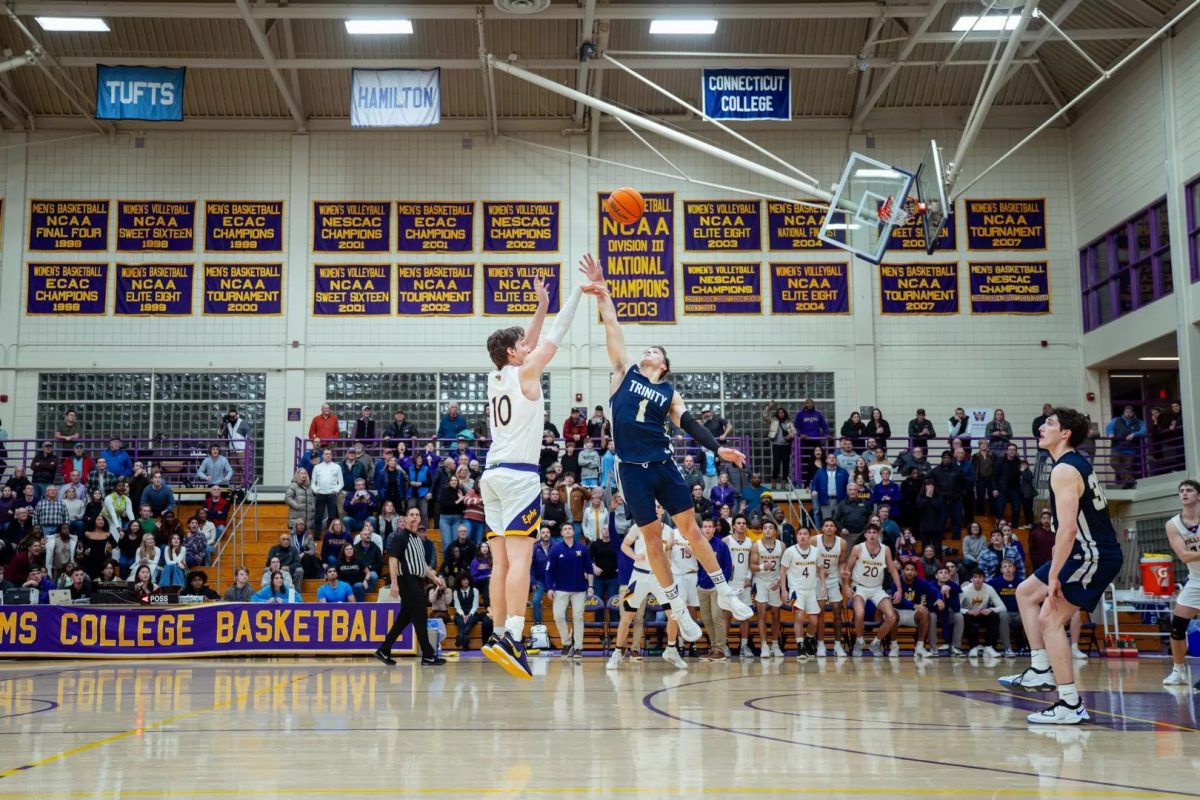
(78, 461)
(68, 432)
(234, 430)
(215, 469)
(599, 428)
(118, 460)
(880, 429)
(909, 460)
(570, 460)
(719, 427)
(951, 486)
(569, 580)
(352, 470)
(931, 515)
(418, 484)
(1028, 493)
(467, 613)
(50, 512)
(986, 464)
(692, 475)
(594, 517)
(452, 424)
(44, 469)
(391, 483)
(855, 430)
(158, 495)
(1008, 486)
(828, 487)
(781, 431)
(139, 481)
(608, 469)
(999, 431)
(603, 551)
(886, 493)
(327, 483)
(957, 427)
(217, 507)
(711, 613)
(1038, 422)
(400, 431)
(481, 571)
(573, 496)
(450, 508)
(473, 515)
(1041, 541)
(963, 462)
(74, 481)
(301, 503)
(846, 457)
(364, 426)
(325, 425)
(537, 572)
(701, 505)
(920, 430)
(1125, 431)
(723, 493)
(811, 427)
(589, 464)
(575, 427)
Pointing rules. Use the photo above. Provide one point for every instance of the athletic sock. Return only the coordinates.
(671, 645)
(516, 628)
(717, 577)
(1039, 660)
(1068, 694)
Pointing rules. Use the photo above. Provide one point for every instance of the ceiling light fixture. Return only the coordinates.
(984, 24)
(73, 24)
(1158, 358)
(379, 27)
(683, 27)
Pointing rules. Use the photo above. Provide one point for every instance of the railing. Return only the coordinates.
(178, 459)
(232, 543)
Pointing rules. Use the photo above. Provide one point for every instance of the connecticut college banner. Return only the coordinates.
(160, 290)
(916, 289)
(520, 227)
(435, 290)
(163, 226)
(639, 260)
(722, 225)
(795, 227)
(242, 225)
(722, 289)
(72, 289)
(79, 225)
(810, 288)
(212, 629)
(352, 227)
(435, 227)
(1010, 288)
(250, 289)
(747, 93)
(508, 288)
(352, 290)
(1006, 224)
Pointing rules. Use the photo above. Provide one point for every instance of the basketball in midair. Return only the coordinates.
(625, 206)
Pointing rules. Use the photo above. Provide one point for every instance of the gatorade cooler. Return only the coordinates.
(1158, 575)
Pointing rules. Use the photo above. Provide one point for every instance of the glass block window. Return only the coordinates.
(1127, 268)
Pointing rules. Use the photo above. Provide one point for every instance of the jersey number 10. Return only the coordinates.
(501, 410)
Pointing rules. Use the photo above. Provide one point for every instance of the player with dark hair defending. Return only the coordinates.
(1183, 534)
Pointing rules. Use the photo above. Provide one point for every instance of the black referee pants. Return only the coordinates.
(412, 612)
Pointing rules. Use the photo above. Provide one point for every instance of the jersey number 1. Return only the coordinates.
(501, 410)
(641, 415)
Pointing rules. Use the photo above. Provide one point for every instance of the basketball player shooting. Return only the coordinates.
(642, 401)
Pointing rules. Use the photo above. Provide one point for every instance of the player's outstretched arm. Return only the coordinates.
(693, 427)
(614, 337)
(534, 332)
(537, 360)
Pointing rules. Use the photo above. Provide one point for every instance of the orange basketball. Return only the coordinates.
(625, 206)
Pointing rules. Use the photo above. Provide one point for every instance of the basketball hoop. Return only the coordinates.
(900, 214)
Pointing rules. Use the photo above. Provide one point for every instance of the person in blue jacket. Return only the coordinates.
(569, 578)
(334, 590)
(119, 462)
(828, 487)
(276, 592)
(537, 572)
(948, 608)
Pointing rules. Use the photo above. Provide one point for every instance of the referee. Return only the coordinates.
(406, 560)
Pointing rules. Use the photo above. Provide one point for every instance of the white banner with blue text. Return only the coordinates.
(395, 98)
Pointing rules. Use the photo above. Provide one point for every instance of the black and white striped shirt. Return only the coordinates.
(409, 550)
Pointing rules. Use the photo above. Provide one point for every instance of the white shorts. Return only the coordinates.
(1189, 595)
(512, 502)
(806, 600)
(831, 591)
(874, 594)
(642, 586)
(688, 588)
(763, 593)
(906, 617)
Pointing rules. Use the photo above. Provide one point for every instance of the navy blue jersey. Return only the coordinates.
(1097, 538)
(639, 418)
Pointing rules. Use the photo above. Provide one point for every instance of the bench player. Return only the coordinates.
(1183, 533)
(802, 575)
(868, 562)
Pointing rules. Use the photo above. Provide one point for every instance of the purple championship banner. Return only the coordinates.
(520, 226)
(724, 225)
(508, 288)
(639, 260)
(722, 289)
(161, 226)
(1006, 224)
(810, 288)
(352, 290)
(352, 227)
(158, 290)
(210, 629)
(435, 227)
(243, 226)
(912, 236)
(1016, 288)
(916, 289)
(79, 225)
(250, 289)
(795, 227)
(74, 289)
(437, 290)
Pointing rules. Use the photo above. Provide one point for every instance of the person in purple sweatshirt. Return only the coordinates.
(811, 429)
(723, 493)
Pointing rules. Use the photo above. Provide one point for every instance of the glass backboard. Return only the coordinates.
(854, 221)
(931, 193)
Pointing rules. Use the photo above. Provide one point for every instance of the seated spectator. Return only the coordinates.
(334, 590)
(991, 556)
(1006, 584)
(119, 507)
(80, 585)
(195, 545)
(170, 526)
(217, 506)
(37, 580)
(917, 597)
(241, 591)
(907, 548)
(60, 552)
(981, 608)
(481, 571)
(359, 506)
(139, 481)
(272, 567)
(929, 563)
(1013, 549)
(854, 512)
(846, 455)
(158, 495)
(351, 572)
(197, 586)
(142, 581)
(336, 537)
(454, 563)
(972, 545)
(208, 529)
(25, 561)
(277, 591)
(889, 529)
(595, 515)
(50, 512)
(80, 462)
(948, 609)
(74, 506)
(468, 612)
(886, 493)
(369, 555)
(174, 572)
(288, 554)
(215, 469)
(148, 555)
(440, 598)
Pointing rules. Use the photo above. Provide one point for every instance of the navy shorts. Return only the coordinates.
(1084, 592)
(642, 484)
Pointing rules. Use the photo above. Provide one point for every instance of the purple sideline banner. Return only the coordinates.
(916, 289)
(912, 236)
(436, 290)
(516, 226)
(162, 226)
(79, 225)
(435, 226)
(795, 227)
(1006, 224)
(157, 290)
(1015, 288)
(211, 629)
(352, 227)
(508, 288)
(250, 289)
(243, 225)
(352, 290)
(722, 289)
(639, 260)
(74, 289)
(810, 288)
(723, 225)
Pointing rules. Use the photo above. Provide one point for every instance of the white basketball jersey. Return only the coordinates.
(681, 564)
(768, 560)
(869, 569)
(830, 556)
(639, 541)
(516, 420)
(801, 566)
(1191, 540)
(741, 559)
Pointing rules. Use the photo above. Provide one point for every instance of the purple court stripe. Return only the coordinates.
(50, 706)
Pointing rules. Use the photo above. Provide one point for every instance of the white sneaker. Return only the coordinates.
(689, 631)
(728, 601)
(1060, 714)
(894, 650)
(856, 651)
(1031, 680)
(745, 651)
(920, 652)
(766, 652)
(821, 651)
(957, 652)
(614, 661)
(1178, 677)
(991, 652)
(876, 648)
(1078, 654)
(838, 650)
(775, 650)
(975, 652)
(1010, 653)
(802, 656)
(672, 657)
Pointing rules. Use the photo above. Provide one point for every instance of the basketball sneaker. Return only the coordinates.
(493, 641)
(1060, 714)
(776, 650)
(876, 647)
(567, 650)
(838, 650)
(689, 631)
(510, 655)
(766, 652)
(1031, 680)
(990, 652)
(1178, 677)
(672, 657)
(728, 601)
(920, 652)
(1078, 654)
(614, 661)
(894, 650)
(386, 658)
(745, 651)
(957, 652)
(1010, 653)
(818, 649)
(856, 651)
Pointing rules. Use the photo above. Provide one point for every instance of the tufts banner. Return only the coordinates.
(248, 289)
(395, 98)
(810, 288)
(520, 227)
(159, 290)
(723, 225)
(916, 289)
(435, 227)
(639, 260)
(352, 227)
(1017, 288)
(71, 289)
(435, 290)
(145, 93)
(508, 288)
(162, 226)
(352, 290)
(722, 289)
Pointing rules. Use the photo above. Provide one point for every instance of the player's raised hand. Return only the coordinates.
(591, 269)
(539, 289)
(733, 456)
